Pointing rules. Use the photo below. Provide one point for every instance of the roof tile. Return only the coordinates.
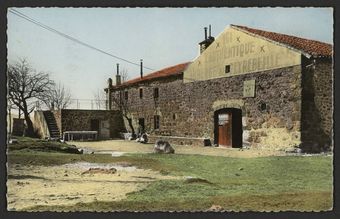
(311, 47)
(166, 72)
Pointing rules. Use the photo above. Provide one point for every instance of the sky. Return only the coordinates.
(160, 36)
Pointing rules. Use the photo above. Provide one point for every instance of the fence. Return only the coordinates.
(89, 104)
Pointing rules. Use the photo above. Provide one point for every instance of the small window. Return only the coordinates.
(141, 93)
(227, 69)
(156, 92)
(263, 107)
(126, 95)
(156, 122)
(174, 116)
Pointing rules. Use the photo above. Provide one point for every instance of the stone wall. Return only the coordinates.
(80, 120)
(40, 125)
(187, 110)
(317, 105)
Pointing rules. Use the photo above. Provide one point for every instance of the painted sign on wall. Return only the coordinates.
(239, 53)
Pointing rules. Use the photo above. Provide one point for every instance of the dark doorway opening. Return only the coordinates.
(228, 127)
(95, 125)
(141, 123)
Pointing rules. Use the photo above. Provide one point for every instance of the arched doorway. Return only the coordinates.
(228, 127)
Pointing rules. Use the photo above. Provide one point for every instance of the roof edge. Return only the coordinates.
(270, 40)
(132, 83)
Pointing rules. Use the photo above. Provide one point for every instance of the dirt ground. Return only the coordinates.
(69, 184)
(122, 146)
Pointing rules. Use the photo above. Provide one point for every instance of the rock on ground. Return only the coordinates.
(163, 147)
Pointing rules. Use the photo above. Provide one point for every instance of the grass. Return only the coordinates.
(312, 201)
(271, 183)
(240, 184)
(27, 143)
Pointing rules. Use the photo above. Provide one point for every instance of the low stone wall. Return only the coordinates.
(40, 125)
(80, 120)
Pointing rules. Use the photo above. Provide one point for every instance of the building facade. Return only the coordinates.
(54, 123)
(247, 87)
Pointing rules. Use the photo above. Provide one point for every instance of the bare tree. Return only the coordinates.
(121, 103)
(25, 87)
(58, 97)
(124, 75)
(99, 99)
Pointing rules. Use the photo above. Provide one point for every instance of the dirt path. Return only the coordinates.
(119, 146)
(67, 184)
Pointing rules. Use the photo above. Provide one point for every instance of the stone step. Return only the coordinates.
(51, 124)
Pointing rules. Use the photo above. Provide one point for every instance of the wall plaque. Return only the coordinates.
(249, 88)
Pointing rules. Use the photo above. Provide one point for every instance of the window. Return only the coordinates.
(156, 92)
(156, 122)
(126, 95)
(141, 93)
(227, 68)
(263, 107)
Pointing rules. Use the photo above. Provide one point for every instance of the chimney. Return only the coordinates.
(109, 95)
(109, 82)
(118, 77)
(141, 68)
(207, 41)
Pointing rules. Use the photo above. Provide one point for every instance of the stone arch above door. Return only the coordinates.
(231, 103)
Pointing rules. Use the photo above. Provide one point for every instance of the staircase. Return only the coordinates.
(51, 124)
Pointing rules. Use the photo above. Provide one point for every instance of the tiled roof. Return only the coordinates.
(166, 72)
(311, 47)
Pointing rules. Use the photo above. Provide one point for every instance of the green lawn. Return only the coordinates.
(239, 184)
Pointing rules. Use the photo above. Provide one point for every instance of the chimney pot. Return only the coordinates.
(209, 30)
(141, 68)
(205, 32)
(118, 77)
(109, 82)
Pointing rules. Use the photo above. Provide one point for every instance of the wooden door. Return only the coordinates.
(225, 129)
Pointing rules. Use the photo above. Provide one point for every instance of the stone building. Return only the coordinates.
(106, 123)
(247, 87)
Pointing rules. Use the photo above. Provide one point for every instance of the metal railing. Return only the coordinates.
(88, 104)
